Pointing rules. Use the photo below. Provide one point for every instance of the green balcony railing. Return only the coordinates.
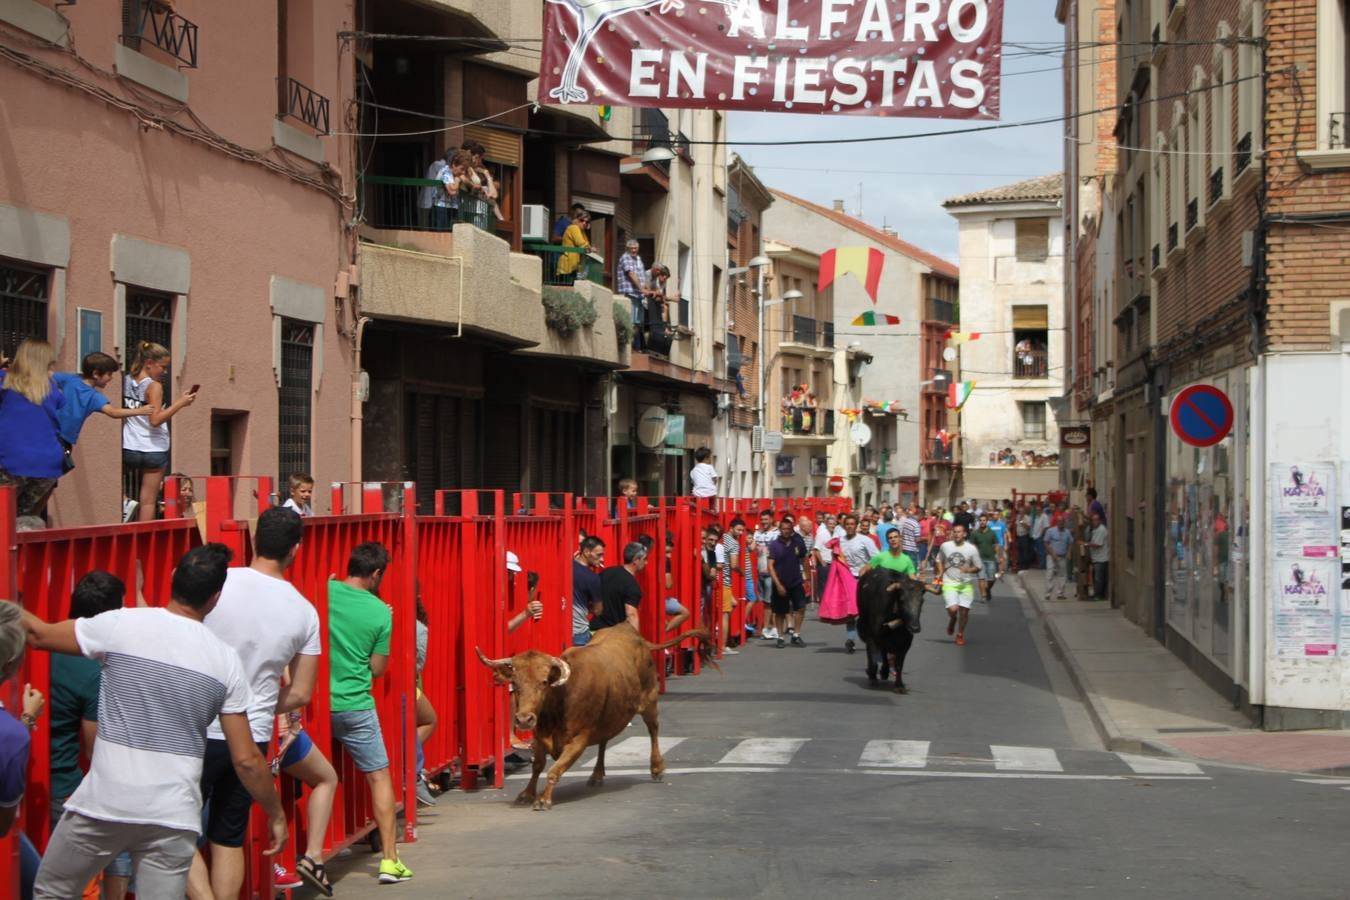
(586, 270)
(410, 204)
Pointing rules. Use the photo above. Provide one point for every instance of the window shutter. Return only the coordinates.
(501, 146)
(1031, 317)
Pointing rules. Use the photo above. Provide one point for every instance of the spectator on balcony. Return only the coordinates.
(31, 454)
(481, 178)
(436, 202)
(575, 236)
(631, 279)
(565, 219)
(145, 439)
(658, 309)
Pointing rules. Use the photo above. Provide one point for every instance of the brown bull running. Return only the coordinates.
(586, 697)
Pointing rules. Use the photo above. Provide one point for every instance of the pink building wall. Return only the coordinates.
(75, 157)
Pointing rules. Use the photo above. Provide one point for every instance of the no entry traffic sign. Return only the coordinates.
(1202, 415)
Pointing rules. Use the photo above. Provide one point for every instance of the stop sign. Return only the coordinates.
(836, 484)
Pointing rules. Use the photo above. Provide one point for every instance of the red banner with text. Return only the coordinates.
(937, 59)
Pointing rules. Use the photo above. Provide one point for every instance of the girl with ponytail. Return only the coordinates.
(145, 439)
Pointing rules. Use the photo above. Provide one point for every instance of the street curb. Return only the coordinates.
(1113, 737)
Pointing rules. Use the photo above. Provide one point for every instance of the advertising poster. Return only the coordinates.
(1305, 607)
(1305, 488)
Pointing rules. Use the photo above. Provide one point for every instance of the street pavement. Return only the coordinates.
(788, 777)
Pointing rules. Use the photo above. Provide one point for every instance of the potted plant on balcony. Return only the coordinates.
(623, 324)
(566, 311)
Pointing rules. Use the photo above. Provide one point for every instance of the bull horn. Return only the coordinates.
(564, 668)
(491, 663)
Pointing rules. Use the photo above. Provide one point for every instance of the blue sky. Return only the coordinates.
(903, 183)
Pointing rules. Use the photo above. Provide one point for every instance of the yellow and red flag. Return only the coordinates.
(864, 262)
(962, 337)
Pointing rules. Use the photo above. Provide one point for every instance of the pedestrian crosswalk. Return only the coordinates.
(885, 756)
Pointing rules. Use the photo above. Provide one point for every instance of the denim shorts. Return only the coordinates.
(581, 638)
(359, 733)
(673, 606)
(297, 751)
(145, 459)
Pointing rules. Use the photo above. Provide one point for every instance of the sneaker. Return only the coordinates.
(850, 645)
(129, 509)
(961, 640)
(770, 634)
(283, 878)
(728, 651)
(424, 795)
(392, 871)
(780, 643)
(797, 639)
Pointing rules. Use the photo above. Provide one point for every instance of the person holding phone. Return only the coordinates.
(145, 439)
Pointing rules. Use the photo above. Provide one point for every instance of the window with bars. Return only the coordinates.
(295, 398)
(23, 304)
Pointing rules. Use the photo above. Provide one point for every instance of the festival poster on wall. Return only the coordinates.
(1307, 531)
(1305, 487)
(936, 59)
(1306, 607)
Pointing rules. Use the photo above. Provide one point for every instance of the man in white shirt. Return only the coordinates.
(765, 531)
(857, 550)
(703, 476)
(961, 567)
(165, 677)
(435, 201)
(1039, 526)
(271, 626)
(826, 531)
(1099, 553)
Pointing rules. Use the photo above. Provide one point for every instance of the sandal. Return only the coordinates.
(315, 874)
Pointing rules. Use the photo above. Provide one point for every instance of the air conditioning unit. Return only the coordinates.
(757, 439)
(534, 223)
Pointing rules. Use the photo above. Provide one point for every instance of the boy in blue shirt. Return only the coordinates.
(84, 398)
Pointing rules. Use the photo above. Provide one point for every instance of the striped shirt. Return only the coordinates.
(732, 548)
(909, 534)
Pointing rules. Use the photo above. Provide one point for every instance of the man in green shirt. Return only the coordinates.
(894, 557)
(359, 627)
(986, 540)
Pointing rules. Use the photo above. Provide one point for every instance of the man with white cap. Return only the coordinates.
(533, 609)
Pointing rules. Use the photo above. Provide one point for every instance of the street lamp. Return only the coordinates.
(657, 155)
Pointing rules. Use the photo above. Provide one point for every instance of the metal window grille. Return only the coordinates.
(149, 318)
(804, 330)
(1192, 213)
(1216, 186)
(1157, 255)
(827, 334)
(23, 305)
(296, 397)
(305, 104)
(1242, 153)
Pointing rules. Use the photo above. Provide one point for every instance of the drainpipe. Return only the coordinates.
(357, 414)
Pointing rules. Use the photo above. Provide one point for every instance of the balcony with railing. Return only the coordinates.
(1242, 153)
(420, 204)
(1030, 364)
(155, 23)
(827, 335)
(1192, 213)
(812, 425)
(1216, 186)
(652, 129)
(1337, 139)
(1171, 237)
(1157, 256)
(804, 330)
(578, 265)
(304, 105)
(940, 310)
(937, 450)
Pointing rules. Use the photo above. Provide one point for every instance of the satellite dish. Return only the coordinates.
(651, 430)
(861, 434)
(949, 354)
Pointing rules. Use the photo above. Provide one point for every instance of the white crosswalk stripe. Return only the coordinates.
(1025, 759)
(763, 752)
(1158, 765)
(637, 751)
(895, 754)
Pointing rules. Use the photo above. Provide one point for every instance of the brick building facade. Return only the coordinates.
(1229, 271)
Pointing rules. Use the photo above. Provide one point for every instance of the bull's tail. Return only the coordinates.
(705, 645)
